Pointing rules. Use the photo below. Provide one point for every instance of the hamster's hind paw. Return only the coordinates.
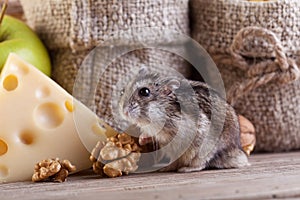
(236, 159)
(189, 169)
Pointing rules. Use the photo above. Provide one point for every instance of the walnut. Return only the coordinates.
(118, 155)
(125, 165)
(248, 139)
(96, 159)
(53, 170)
(112, 151)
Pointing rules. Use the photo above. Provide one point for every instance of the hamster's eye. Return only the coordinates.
(144, 92)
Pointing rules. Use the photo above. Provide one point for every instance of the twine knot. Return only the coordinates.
(260, 65)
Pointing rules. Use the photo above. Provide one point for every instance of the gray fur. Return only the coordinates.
(160, 115)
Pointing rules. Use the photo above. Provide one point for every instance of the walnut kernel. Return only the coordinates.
(53, 170)
(111, 151)
(118, 155)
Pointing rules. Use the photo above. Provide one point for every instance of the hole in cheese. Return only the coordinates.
(3, 171)
(69, 106)
(49, 115)
(20, 68)
(27, 137)
(10, 83)
(98, 129)
(42, 92)
(3, 147)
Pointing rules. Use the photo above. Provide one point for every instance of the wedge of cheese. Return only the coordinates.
(40, 120)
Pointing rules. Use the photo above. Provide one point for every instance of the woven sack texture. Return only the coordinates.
(256, 48)
(95, 87)
(216, 22)
(83, 24)
(50, 20)
(71, 28)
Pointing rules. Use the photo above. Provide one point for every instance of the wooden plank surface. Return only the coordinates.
(270, 176)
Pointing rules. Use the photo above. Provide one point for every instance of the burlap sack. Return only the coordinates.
(82, 24)
(96, 84)
(256, 48)
(71, 28)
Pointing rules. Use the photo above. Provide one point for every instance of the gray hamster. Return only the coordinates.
(164, 108)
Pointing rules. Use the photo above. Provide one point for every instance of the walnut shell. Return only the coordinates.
(248, 139)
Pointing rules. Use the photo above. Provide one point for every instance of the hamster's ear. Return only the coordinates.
(173, 84)
(143, 70)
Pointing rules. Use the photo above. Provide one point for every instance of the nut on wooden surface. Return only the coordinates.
(52, 170)
(117, 156)
(248, 139)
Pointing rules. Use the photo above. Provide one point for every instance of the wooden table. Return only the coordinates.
(270, 176)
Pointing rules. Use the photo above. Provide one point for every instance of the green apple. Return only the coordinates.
(17, 37)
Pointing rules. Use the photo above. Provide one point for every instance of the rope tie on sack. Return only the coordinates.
(282, 70)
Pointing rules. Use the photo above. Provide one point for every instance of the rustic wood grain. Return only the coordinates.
(269, 176)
